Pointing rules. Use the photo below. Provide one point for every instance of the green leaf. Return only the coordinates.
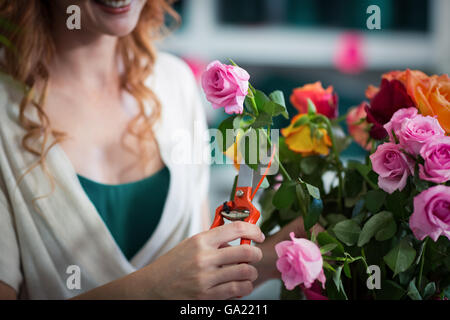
(313, 191)
(324, 238)
(278, 97)
(396, 202)
(295, 294)
(262, 120)
(280, 108)
(374, 200)
(311, 107)
(413, 293)
(333, 218)
(260, 98)
(302, 121)
(248, 104)
(226, 124)
(421, 185)
(400, 258)
(284, 196)
(337, 278)
(347, 231)
(287, 214)
(314, 212)
(381, 224)
(360, 167)
(347, 269)
(327, 266)
(429, 290)
(390, 290)
(387, 232)
(327, 248)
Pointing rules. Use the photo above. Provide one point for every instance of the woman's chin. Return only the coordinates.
(118, 29)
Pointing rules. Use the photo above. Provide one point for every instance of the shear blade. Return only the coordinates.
(235, 215)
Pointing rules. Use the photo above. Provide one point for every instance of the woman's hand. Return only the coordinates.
(205, 267)
(267, 265)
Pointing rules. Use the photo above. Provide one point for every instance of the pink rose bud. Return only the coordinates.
(397, 120)
(431, 216)
(392, 166)
(225, 86)
(416, 131)
(436, 154)
(300, 262)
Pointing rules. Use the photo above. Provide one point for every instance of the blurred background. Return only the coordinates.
(285, 44)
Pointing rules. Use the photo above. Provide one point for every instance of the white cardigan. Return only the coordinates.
(39, 241)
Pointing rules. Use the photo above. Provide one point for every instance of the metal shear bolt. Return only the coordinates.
(239, 193)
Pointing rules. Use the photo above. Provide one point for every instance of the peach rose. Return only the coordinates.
(431, 94)
(358, 127)
(325, 100)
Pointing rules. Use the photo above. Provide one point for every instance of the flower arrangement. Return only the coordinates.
(387, 218)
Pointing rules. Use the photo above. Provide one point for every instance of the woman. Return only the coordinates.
(92, 201)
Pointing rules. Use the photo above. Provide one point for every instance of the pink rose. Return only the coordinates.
(436, 154)
(397, 120)
(416, 131)
(299, 261)
(225, 86)
(392, 166)
(431, 216)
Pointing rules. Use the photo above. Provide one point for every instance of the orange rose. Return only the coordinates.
(358, 127)
(430, 94)
(325, 100)
(299, 140)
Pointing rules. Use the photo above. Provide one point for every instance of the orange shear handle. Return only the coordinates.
(242, 201)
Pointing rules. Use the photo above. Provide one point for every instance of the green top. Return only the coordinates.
(131, 211)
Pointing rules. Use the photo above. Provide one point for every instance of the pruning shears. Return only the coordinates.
(241, 206)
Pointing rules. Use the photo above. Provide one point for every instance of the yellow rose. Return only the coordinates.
(298, 139)
(233, 152)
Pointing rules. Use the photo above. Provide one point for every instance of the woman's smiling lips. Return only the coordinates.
(114, 7)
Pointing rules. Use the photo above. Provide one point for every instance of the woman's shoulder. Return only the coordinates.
(172, 64)
(172, 69)
(175, 84)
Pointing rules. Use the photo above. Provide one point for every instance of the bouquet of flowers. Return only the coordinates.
(386, 219)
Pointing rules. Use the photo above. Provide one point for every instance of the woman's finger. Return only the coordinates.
(237, 254)
(231, 290)
(236, 272)
(232, 231)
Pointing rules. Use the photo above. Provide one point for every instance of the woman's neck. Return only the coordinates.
(83, 57)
